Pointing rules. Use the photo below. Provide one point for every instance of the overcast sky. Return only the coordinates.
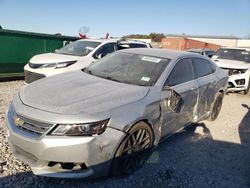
(122, 17)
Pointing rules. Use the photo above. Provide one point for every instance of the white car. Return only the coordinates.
(74, 56)
(236, 61)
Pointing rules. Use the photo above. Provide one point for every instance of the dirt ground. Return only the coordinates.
(207, 154)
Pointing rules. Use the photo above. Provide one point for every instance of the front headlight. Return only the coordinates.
(86, 129)
(65, 64)
(57, 65)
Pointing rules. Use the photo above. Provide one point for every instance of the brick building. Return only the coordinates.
(181, 43)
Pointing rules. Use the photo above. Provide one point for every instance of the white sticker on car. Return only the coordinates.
(151, 59)
(244, 53)
(146, 79)
(89, 48)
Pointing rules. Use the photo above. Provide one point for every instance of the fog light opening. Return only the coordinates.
(230, 85)
(68, 166)
(240, 82)
(52, 163)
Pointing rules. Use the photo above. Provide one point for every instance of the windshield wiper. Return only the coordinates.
(110, 78)
(61, 53)
(121, 81)
(86, 70)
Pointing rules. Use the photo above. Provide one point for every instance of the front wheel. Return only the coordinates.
(216, 107)
(133, 151)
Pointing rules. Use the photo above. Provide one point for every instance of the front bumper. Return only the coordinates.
(238, 82)
(32, 74)
(95, 153)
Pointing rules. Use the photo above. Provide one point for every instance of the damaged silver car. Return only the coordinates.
(101, 119)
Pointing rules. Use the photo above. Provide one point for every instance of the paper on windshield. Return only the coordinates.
(151, 59)
(144, 78)
(89, 48)
(244, 53)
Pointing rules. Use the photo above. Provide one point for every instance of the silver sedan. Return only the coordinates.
(106, 117)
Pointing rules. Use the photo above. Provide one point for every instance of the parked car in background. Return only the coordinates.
(124, 44)
(74, 56)
(203, 51)
(236, 61)
(104, 117)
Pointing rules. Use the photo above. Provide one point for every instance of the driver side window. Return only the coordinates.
(105, 50)
(181, 73)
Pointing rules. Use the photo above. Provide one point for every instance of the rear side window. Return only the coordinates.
(108, 48)
(134, 45)
(105, 50)
(202, 67)
(181, 73)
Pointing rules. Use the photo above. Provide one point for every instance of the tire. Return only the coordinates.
(245, 92)
(216, 107)
(133, 151)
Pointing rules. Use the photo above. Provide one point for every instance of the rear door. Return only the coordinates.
(181, 80)
(206, 80)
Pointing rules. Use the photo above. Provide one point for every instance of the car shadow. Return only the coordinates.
(190, 158)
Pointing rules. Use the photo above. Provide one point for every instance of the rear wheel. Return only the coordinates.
(133, 151)
(216, 107)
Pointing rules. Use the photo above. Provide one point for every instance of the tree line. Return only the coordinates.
(155, 37)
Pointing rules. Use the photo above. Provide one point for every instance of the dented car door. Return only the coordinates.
(181, 81)
(203, 72)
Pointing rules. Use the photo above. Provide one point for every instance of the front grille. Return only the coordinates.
(32, 76)
(34, 127)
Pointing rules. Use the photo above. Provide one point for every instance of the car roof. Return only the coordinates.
(114, 40)
(247, 49)
(163, 53)
(99, 40)
(133, 41)
(199, 49)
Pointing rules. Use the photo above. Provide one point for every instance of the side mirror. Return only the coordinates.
(174, 101)
(100, 56)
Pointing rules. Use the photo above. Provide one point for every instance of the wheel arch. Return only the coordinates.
(147, 122)
(144, 120)
(222, 91)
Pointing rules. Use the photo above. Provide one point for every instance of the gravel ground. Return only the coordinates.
(208, 154)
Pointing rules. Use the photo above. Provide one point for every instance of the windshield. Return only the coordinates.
(129, 68)
(234, 54)
(78, 48)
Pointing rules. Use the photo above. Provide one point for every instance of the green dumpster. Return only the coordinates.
(17, 47)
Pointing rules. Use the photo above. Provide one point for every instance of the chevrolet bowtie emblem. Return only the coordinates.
(17, 121)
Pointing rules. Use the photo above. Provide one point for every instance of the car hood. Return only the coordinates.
(227, 63)
(52, 58)
(77, 92)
